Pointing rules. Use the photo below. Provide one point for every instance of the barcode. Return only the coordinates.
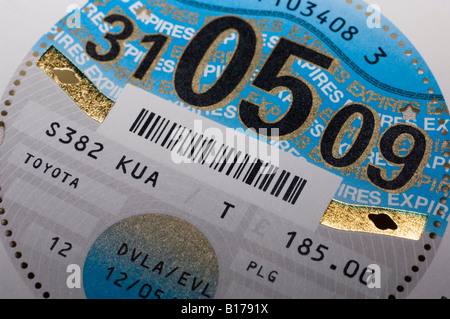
(219, 157)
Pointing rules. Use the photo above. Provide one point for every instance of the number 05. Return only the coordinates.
(273, 79)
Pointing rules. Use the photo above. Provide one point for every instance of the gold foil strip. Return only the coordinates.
(374, 220)
(82, 91)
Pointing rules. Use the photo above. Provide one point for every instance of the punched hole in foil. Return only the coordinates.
(383, 221)
(66, 76)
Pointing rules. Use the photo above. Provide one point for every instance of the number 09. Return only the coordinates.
(411, 165)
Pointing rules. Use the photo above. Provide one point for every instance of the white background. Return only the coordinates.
(425, 23)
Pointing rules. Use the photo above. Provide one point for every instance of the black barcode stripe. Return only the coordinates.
(211, 145)
(283, 182)
(182, 135)
(217, 154)
(152, 128)
(235, 160)
(162, 131)
(271, 177)
(254, 172)
(172, 138)
(278, 183)
(227, 158)
(146, 124)
(289, 193)
(212, 154)
(221, 157)
(263, 173)
(252, 165)
(138, 120)
(298, 192)
(168, 136)
(266, 177)
(186, 136)
(200, 149)
(188, 147)
(241, 167)
(158, 129)
(297, 186)
(208, 150)
(195, 145)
